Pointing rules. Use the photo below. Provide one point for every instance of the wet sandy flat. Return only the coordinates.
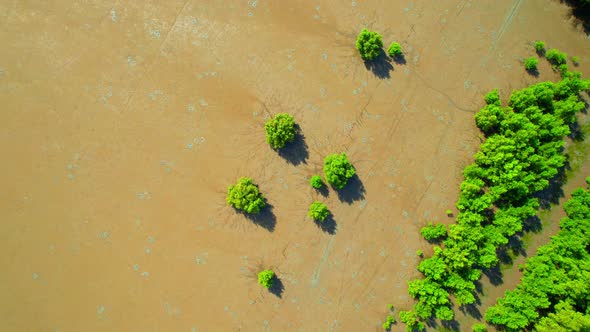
(123, 123)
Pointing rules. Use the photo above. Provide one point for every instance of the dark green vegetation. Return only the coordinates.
(554, 292)
(369, 44)
(316, 182)
(522, 152)
(318, 211)
(434, 232)
(266, 278)
(245, 196)
(338, 170)
(394, 50)
(531, 63)
(540, 47)
(280, 130)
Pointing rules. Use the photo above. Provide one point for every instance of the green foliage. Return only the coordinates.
(266, 278)
(369, 44)
(411, 320)
(434, 232)
(530, 64)
(556, 57)
(390, 307)
(479, 327)
(280, 130)
(419, 253)
(316, 182)
(522, 152)
(394, 50)
(390, 320)
(245, 196)
(449, 212)
(492, 98)
(540, 47)
(318, 211)
(553, 294)
(338, 170)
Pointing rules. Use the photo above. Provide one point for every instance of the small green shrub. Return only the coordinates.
(449, 213)
(394, 50)
(316, 182)
(563, 69)
(338, 170)
(588, 180)
(540, 47)
(434, 232)
(479, 327)
(492, 98)
(318, 211)
(411, 320)
(266, 278)
(575, 60)
(556, 57)
(390, 307)
(419, 253)
(245, 196)
(280, 130)
(369, 44)
(530, 64)
(390, 320)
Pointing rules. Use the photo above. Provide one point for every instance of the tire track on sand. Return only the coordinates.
(507, 21)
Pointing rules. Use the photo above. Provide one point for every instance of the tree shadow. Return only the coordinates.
(323, 190)
(581, 12)
(353, 191)
(532, 224)
(452, 325)
(494, 275)
(297, 151)
(265, 218)
(277, 287)
(400, 59)
(380, 66)
(533, 72)
(327, 225)
(472, 310)
(554, 191)
(576, 133)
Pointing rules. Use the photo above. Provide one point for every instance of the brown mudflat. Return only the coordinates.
(123, 123)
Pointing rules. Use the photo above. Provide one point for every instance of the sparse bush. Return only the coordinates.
(266, 278)
(245, 196)
(576, 60)
(530, 64)
(434, 232)
(316, 182)
(390, 320)
(540, 47)
(338, 170)
(419, 253)
(394, 50)
(390, 307)
(563, 69)
(280, 130)
(449, 213)
(556, 57)
(369, 44)
(479, 327)
(318, 211)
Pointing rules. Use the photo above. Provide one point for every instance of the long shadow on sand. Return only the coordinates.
(353, 191)
(277, 287)
(380, 66)
(297, 151)
(265, 218)
(327, 225)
